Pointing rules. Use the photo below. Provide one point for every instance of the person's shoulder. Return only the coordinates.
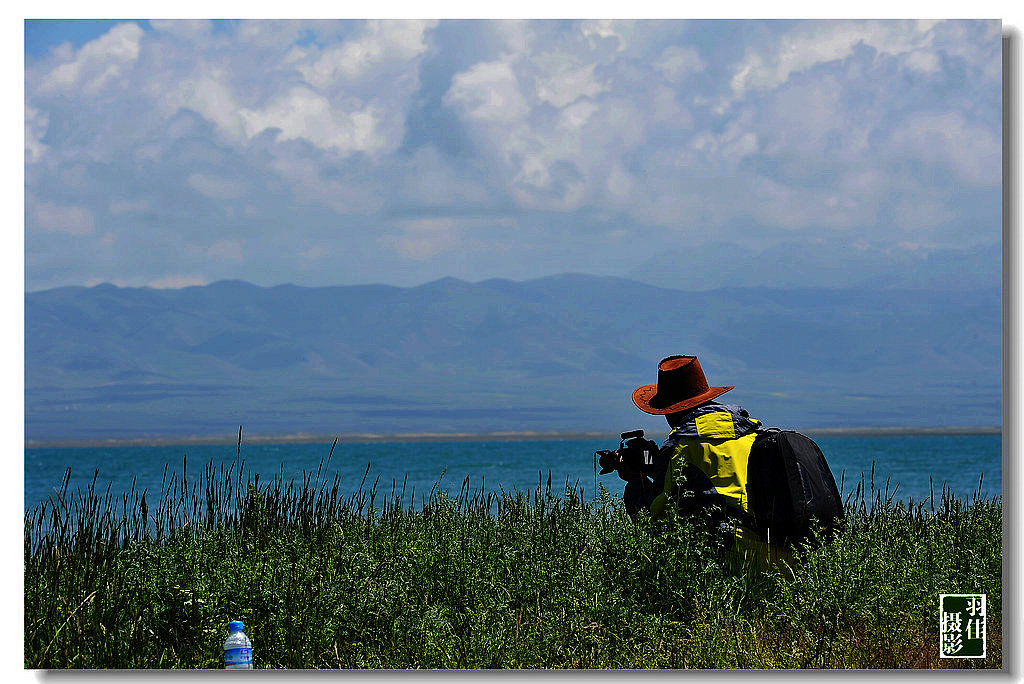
(676, 441)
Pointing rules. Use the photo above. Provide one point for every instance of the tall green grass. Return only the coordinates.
(538, 579)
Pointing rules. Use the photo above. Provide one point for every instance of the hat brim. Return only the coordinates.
(642, 398)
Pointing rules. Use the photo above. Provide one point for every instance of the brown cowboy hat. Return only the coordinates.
(681, 386)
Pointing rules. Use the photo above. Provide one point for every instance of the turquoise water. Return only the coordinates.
(917, 464)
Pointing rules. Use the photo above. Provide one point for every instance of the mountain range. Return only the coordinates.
(823, 263)
(560, 354)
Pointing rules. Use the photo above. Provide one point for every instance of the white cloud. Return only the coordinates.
(814, 43)
(54, 218)
(576, 116)
(207, 91)
(36, 123)
(925, 61)
(341, 103)
(678, 62)
(333, 97)
(948, 140)
(620, 184)
(97, 62)
(335, 128)
(381, 43)
(552, 126)
(603, 29)
(488, 92)
(811, 124)
(721, 153)
(566, 82)
(304, 114)
(978, 46)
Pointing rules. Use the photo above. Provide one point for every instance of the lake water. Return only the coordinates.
(959, 462)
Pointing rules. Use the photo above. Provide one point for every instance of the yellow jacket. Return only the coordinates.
(716, 439)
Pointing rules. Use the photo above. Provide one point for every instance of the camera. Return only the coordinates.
(634, 451)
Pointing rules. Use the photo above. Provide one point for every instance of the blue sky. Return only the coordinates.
(170, 153)
(43, 35)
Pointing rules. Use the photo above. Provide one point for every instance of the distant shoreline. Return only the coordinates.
(522, 436)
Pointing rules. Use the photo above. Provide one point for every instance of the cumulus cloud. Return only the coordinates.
(241, 145)
(557, 122)
(814, 43)
(99, 62)
(383, 46)
(488, 92)
(340, 104)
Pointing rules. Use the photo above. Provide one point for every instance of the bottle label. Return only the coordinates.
(238, 658)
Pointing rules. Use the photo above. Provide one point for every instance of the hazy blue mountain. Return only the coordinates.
(821, 264)
(558, 353)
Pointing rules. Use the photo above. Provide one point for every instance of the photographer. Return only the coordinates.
(703, 463)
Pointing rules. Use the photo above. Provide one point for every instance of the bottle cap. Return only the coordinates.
(236, 626)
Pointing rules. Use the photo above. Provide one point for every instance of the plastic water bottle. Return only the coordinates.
(238, 648)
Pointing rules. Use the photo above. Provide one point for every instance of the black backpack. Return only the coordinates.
(789, 484)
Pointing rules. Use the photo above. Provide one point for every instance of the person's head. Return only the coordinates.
(681, 386)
